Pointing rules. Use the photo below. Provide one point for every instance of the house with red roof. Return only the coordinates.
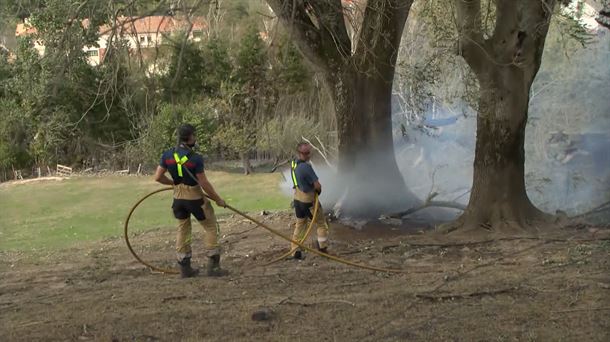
(140, 33)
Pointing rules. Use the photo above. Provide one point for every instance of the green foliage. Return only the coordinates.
(572, 30)
(218, 68)
(185, 78)
(251, 59)
(161, 131)
(572, 24)
(281, 135)
(431, 71)
(197, 70)
(244, 95)
(289, 72)
(60, 26)
(20, 8)
(51, 136)
(234, 139)
(14, 130)
(5, 76)
(76, 111)
(25, 80)
(59, 108)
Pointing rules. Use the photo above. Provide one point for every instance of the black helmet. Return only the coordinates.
(184, 132)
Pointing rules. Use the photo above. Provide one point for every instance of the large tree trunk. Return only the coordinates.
(367, 165)
(362, 96)
(245, 162)
(498, 194)
(505, 65)
(359, 75)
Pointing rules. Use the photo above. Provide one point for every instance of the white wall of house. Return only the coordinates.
(93, 55)
(143, 40)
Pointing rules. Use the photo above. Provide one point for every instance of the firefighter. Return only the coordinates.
(306, 185)
(183, 163)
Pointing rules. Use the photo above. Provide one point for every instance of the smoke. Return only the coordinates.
(438, 156)
(366, 193)
(568, 134)
(567, 145)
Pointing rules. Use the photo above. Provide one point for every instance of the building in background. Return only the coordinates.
(140, 33)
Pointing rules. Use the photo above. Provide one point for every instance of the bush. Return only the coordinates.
(160, 133)
(281, 135)
(14, 130)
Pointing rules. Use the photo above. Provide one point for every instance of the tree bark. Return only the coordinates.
(498, 194)
(360, 83)
(368, 170)
(505, 66)
(245, 161)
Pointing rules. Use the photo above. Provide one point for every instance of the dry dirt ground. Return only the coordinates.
(550, 288)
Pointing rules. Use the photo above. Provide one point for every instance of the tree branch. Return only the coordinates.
(604, 16)
(466, 295)
(471, 44)
(430, 203)
(322, 153)
(520, 33)
(380, 35)
(506, 20)
(294, 17)
(333, 31)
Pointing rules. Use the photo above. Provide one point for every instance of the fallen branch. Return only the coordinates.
(278, 165)
(430, 203)
(239, 233)
(31, 323)
(596, 210)
(466, 295)
(583, 309)
(288, 300)
(167, 299)
(356, 251)
(470, 243)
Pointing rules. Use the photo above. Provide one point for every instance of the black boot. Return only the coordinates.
(298, 255)
(317, 245)
(186, 271)
(213, 268)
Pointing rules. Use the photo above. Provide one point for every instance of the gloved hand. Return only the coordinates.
(221, 203)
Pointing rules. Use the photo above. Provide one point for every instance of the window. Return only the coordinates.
(149, 39)
(92, 53)
(197, 34)
(142, 39)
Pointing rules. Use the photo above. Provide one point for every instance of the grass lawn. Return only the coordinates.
(58, 214)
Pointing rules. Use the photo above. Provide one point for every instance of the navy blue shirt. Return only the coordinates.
(194, 164)
(306, 176)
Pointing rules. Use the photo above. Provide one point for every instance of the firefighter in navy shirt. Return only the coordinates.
(189, 200)
(306, 185)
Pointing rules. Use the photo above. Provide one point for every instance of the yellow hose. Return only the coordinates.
(126, 231)
(315, 251)
(273, 231)
(305, 236)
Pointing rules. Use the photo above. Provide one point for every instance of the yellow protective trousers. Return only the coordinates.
(184, 229)
(303, 206)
